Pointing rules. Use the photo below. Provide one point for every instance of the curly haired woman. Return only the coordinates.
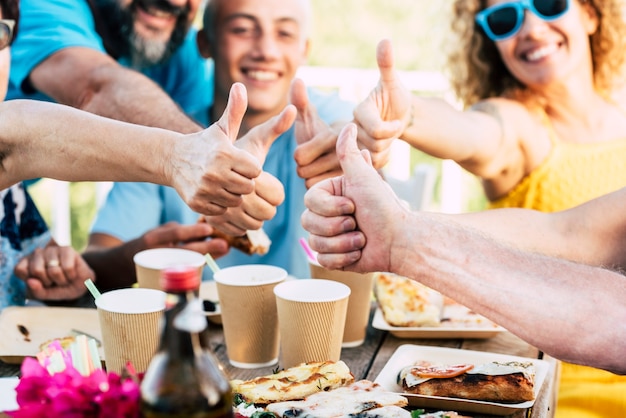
(542, 127)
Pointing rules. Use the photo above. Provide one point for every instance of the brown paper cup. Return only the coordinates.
(312, 314)
(130, 322)
(359, 302)
(249, 317)
(150, 263)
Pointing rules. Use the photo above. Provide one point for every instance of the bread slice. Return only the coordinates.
(360, 399)
(407, 303)
(252, 242)
(511, 382)
(297, 382)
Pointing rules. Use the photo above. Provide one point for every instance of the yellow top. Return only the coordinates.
(570, 175)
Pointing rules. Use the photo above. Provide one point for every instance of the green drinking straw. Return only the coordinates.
(211, 263)
(92, 289)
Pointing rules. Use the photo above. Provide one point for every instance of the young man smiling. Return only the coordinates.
(260, 43)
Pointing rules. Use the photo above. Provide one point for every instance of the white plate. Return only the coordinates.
(8, 396)
(408, 354)
(465, 325)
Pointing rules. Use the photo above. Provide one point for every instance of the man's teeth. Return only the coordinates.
(159, 13)
(263, 75)
(542, 52)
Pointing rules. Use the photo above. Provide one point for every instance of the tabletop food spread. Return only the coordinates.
(414, 363)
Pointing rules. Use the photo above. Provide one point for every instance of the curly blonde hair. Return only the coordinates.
(477, 71)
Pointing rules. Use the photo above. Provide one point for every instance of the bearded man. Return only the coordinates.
(131, 60)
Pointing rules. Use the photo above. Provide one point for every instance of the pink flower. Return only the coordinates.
(68, 394)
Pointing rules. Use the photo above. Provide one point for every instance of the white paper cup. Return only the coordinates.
(249, 316)
(150, 263)
(130, 323)
(311, 318)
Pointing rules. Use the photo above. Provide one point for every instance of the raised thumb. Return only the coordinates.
(259, 139)
(350, 157)
(230, 121)
(384, 58)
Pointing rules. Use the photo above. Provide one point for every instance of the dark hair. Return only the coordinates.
(11, 10)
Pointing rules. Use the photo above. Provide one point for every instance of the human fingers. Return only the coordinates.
(173, 234)
(298, 96)
(340, 261)
(326, 199)
(322, 144)
(60, 264)
(308, 122)
(230, 121)
(217, 247)
(351, 159)
(327, 226)
(384, 59)
(260, 138)
(312, 181)
(269, 189)
(338, 244)
(380, 155)
(372, 127)
(37, 291)
(256, 207)
(36, 266)
(225, 225)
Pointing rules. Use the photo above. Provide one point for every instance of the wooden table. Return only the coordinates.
(367, 360)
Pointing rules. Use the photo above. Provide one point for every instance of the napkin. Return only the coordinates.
(8, 401)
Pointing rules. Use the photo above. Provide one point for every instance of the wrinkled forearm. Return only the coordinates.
(129, 96)
(67, 144)
(571, 311)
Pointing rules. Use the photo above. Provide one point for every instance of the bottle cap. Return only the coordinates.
(180, 278)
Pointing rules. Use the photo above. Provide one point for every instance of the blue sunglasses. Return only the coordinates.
(504, 20)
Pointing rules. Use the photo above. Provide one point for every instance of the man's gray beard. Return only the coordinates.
(142, 53)
(145, 53)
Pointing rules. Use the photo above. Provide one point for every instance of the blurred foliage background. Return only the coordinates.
(345, 34)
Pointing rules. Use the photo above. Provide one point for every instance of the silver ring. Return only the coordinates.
(53, 263)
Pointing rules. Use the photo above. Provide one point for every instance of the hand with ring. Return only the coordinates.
(54, 273)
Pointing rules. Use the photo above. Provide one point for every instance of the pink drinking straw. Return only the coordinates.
(309, 252)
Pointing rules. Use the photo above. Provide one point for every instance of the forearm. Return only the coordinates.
(593, 233)
(438, 129)
(126, 95)
(571, 311)
(474, 140)
(41, 139)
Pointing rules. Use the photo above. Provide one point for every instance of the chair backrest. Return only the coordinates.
(417, 191)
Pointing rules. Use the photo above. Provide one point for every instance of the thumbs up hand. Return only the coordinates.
(315, 155)
(385, 113)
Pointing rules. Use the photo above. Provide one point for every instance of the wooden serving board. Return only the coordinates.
(25, 329)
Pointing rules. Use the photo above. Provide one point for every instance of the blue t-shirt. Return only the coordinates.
(22, 230)
(49, 26)
(131, 209)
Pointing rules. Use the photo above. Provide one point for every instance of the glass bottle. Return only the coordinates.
(184, 379)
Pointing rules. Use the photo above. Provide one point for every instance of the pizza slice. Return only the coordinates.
(359, 399)
(297, 382)
(407, 303)
(503, 382)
